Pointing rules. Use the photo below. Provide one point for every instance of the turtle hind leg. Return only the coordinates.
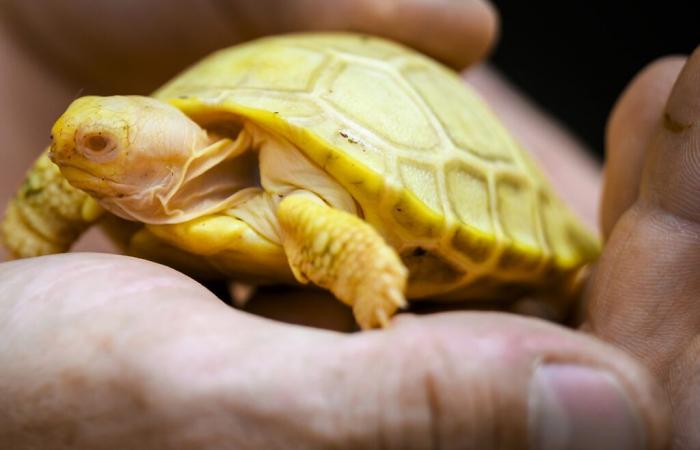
(340, 252)
(47, 214)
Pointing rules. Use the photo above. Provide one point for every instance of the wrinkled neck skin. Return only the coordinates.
(186, 191)
(245, 177)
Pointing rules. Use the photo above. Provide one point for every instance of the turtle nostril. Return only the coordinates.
(97, 143)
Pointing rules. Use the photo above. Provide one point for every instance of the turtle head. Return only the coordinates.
(127, 152)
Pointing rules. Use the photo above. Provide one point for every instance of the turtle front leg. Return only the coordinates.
(340, 252)
(47, 215)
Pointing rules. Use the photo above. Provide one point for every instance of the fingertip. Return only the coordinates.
(653, 83)
(460, 33)
(683, 107)
(651, 86)
(475, 33)
(672, 172)
(471, 31)
(492, 25)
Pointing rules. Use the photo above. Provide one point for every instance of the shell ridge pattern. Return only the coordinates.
(379, 67)
(360, 133)
(317, 73)
(417, 158)
(408, 154)
(538, 187)
(497, 168)
(498, 231)
(398, 152)
(446, 148)
(484, 126)
(545, 249)
(548, 249)
(448, 151)
(452, 154)
(533, 187)
(226, 94)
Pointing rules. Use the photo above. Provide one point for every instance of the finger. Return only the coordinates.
(141, 357)
(639, 108)
(461, 33)
(673, 172)
(644, 296)
(566, 162)
(511, 365)
(135, 47)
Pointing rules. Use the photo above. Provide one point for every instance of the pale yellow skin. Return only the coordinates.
(423, 192)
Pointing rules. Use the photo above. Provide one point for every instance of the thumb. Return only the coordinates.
(142, 357)
(488, 380)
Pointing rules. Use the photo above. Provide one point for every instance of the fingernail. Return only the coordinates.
(578, 408)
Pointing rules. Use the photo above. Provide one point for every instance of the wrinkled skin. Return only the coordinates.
(102, 352)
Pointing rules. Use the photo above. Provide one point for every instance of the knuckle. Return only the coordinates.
(440, 395)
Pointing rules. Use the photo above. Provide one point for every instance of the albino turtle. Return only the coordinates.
(346, 160)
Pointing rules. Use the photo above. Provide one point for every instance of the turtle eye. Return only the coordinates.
(98, 147)
(96, 143)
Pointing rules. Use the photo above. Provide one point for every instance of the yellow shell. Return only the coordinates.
(432, 168)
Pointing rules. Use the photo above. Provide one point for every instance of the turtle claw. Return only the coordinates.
(382, 317)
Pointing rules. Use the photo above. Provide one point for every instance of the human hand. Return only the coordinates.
(505, 349)
(644, 297)
(110, 352)
(165, 365)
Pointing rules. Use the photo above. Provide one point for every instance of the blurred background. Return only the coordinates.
(575, 58)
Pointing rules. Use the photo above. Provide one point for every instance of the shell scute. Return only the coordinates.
(470, 197)
(469, 126)
(389, 113)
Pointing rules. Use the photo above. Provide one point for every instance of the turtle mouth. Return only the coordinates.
(95, 185)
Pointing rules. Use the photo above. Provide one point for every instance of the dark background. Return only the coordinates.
(575, 57)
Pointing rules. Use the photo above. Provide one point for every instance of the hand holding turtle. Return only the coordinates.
(173, 366)
(170, 366)
(103, 351)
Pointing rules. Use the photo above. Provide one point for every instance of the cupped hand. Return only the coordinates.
(110, 352)
(645, 297)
